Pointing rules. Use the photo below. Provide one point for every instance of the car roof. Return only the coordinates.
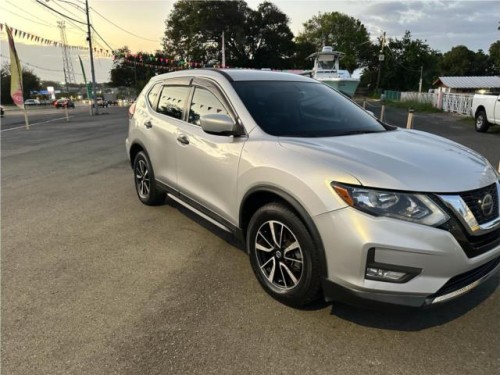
(237, 75)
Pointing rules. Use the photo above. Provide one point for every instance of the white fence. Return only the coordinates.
(459, 103)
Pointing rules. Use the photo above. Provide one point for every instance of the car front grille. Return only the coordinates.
(467, 278)
(474, 200)
(473, 244)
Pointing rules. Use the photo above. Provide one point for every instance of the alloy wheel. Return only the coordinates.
(142, 180)
(279, 255)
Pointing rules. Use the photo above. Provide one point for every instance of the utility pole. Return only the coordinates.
(223, 52)
(381, 58)
(89, 38)
(420, 81)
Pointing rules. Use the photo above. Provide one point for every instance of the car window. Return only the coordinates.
(304, 109)
(204, 103)
(173, 100)
(153, 95)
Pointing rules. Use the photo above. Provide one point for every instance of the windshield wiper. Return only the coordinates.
(353, 132)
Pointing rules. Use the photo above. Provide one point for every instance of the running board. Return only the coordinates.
(198, 212)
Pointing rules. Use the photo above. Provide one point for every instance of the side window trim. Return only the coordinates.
(211, 91)
(158, 86)
(176, 83)
(218, 92)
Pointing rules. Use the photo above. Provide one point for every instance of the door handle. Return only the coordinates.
(148, 124)
(183, 139)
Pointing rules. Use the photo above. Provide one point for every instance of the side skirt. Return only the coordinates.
(202, 211)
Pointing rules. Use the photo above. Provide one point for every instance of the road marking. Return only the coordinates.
(36, 123)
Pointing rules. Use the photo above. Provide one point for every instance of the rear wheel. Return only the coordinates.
(145, 183)
(482, 123)
(283, 255)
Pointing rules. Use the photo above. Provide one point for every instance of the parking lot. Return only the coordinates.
(94, 282)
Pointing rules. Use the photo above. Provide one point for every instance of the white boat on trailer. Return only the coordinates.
(327, 70)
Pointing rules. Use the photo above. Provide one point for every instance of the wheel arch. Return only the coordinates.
(480, 108)
(134, 150)
(261, 195)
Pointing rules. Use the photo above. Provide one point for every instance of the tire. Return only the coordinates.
(286, 263)
(482, 123)
(145, 183)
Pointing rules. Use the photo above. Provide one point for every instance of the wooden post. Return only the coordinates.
(382, 112)
(364, 103)
(409, 123)
(66, 111)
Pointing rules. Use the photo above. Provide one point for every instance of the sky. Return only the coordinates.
(140, 25)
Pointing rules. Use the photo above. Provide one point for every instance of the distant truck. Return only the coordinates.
(486, 111)
(110, 99)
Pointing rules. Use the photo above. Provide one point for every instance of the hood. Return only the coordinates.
(405, 160)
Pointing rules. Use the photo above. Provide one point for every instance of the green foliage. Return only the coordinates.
(415, 105)
(344, 33)
(194, 30)
(31, 82)
(494, 52)
(404, 61)
(256, 39)
(130, 73)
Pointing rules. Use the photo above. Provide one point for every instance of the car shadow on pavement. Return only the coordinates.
(226, 236)
(417, 319)
(383, 318)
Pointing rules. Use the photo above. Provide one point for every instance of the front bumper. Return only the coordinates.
(349, 236)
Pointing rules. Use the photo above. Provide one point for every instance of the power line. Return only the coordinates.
(99, 35)
(24, 17)
(37, 67)
(61, 14)
(58, 3)
(121, 28)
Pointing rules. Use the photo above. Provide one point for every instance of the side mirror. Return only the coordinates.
(370, 113)
(218, 124)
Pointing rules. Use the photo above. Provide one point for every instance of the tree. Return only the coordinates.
(405, 60)
(133, 70)
(194, 30)
(494, 52)
(258, 39)
(123, 74)
(346, 34)
(458, 62)
(271, 39)
(31, 82)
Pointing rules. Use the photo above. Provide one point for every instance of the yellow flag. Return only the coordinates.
(16, 73)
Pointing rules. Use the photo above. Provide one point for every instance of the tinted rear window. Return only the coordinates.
(303, 109)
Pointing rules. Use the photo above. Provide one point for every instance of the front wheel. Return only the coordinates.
(145, 183)
(283, 256)
(482, 123)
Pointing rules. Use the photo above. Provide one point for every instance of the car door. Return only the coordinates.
(162, 128)
(208, 164)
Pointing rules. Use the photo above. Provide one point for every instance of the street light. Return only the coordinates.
(89, 39)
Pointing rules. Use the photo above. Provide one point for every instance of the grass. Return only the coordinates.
(417, 106)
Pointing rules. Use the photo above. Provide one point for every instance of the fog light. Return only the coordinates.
(384, 275)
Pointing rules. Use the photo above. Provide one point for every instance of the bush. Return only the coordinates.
(417, 106)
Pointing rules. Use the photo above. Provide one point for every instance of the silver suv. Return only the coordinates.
(328, 200)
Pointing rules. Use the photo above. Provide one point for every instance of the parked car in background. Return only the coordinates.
(61, 103)
(328, 200)
(101, 102)
(486, 111)
(30, 102)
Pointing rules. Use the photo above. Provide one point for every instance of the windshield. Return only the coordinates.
(304, 109)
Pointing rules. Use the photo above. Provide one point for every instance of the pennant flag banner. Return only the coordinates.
(32, 37)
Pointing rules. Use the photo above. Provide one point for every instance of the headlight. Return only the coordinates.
(416, 208)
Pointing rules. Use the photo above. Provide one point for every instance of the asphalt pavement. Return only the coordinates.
(94, 282)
